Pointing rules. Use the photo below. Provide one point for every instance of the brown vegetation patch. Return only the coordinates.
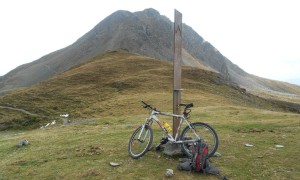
(88, 151)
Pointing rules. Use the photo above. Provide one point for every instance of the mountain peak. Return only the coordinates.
(144, 32)
(151, 12)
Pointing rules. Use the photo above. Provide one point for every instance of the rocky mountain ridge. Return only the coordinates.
(144, 32)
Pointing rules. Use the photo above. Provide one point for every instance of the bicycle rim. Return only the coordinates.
(205, 132)
(137, 148)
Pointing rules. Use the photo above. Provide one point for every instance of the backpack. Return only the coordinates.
(200, 156)
(199, 162)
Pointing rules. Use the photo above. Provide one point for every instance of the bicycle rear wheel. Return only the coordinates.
(205, 132)
(138, 147)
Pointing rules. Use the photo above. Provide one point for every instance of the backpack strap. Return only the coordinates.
(204, 155)
(195, 153)
(197, 157)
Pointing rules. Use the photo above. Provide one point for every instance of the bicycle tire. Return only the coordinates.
(205, 132)
(138, 148)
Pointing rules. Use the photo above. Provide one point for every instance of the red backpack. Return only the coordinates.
(200, 156)
(199, 161)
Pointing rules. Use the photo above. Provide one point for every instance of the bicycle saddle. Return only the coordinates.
(187, 105)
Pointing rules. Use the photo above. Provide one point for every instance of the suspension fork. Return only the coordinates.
(148, 122)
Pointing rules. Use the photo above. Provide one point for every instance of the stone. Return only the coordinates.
(279, 146)
(114, 164)
(23, 143)
(169, 173)
(248, 145)
(217, 154)
(172, 149)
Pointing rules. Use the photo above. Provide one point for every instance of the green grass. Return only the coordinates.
(112, 83)
(102, 97)
(84, 150)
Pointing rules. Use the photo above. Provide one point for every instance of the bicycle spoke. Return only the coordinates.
(138, 148)
(206, 134)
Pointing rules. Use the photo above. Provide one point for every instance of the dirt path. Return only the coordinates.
(67, 122)
(17, 109)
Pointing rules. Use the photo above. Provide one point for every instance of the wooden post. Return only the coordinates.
(177, 68)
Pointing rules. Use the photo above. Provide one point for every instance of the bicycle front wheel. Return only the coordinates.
(206, 134)
(138, 147)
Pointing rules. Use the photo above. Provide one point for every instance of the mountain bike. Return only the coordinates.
(142, 137)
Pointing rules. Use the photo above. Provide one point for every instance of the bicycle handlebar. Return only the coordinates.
(153, 108)
(148, 106)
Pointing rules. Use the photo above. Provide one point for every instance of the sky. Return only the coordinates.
(260, 36)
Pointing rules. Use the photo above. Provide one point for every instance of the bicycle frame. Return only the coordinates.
(153, 116)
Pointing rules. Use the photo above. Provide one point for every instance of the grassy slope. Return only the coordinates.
(113, 84)
(109, 89)
(284, 91)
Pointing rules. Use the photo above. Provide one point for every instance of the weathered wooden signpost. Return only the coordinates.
(177, 68)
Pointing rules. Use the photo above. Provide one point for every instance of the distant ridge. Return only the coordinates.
(143, 32)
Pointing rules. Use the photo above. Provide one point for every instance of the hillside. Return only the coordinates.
(113, 84)
(102, 97)
(143, 32)
(262, 86)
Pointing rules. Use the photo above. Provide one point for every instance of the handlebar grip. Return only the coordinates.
(146, 105)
